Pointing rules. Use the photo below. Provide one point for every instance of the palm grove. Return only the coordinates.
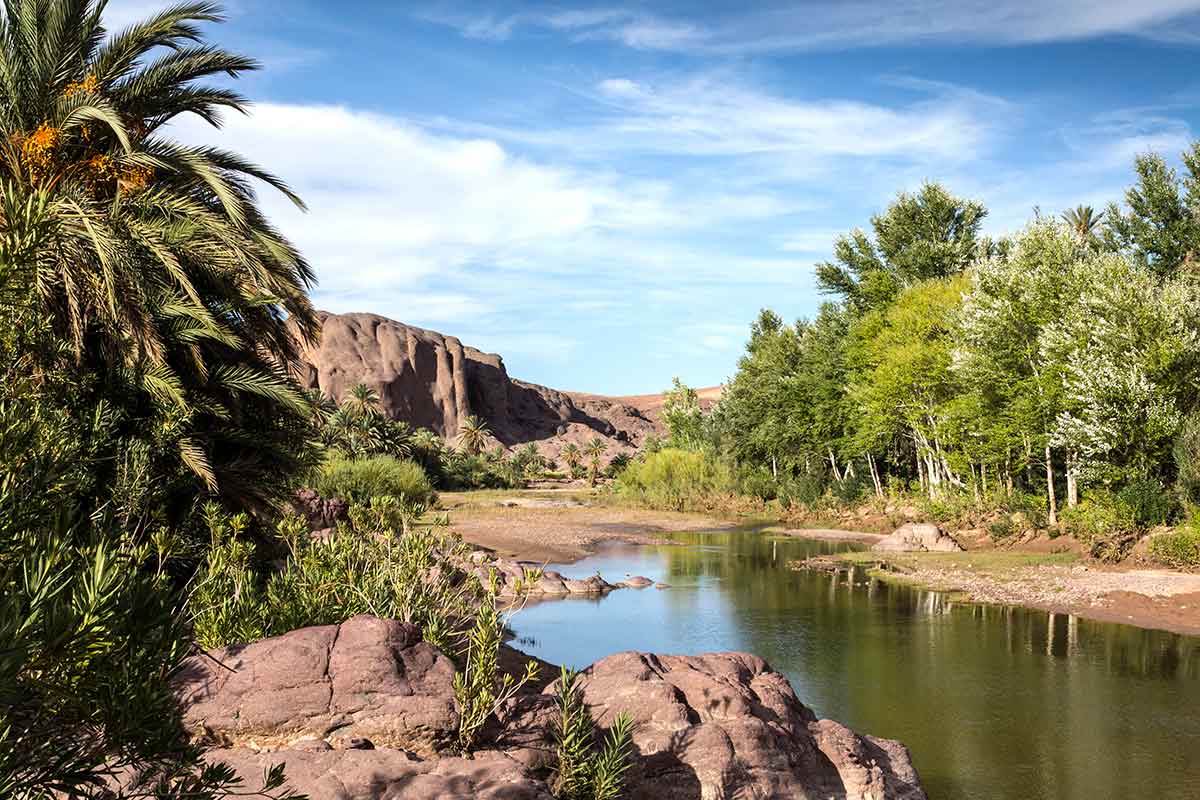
(152, 434)
(1054, 369)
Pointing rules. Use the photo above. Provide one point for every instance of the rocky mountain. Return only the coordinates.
(434, 381)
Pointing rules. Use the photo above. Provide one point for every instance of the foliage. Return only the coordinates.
(1186, 452)
(412, 574)
(359, 480)
(675, 480)
(481, 687)
(1161, 229)
(594, 451)
(357, 426)
(583, 772)
(473, 434)
(1179, 548)
(931, 234)
(1148, 503)
(682, 415)
(183, 308)
(1099, 517)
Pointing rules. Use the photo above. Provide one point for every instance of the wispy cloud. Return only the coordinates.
(782, 26)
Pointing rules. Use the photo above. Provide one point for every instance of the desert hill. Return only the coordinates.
(434, 381)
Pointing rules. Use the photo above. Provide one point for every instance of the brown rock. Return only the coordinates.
(364, 679)
(918, 537)
(434, 381)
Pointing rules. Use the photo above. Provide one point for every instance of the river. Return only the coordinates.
(995, 703)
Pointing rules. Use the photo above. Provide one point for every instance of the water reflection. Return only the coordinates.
(995, 702)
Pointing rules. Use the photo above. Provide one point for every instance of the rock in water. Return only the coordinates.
(916, 537)
(365, 710)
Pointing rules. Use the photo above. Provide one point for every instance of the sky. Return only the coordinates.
(607, 193)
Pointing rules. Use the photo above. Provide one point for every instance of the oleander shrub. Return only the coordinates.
(358, 480)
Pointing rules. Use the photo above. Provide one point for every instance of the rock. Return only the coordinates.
(661, 585)
(917, 537)
(380, 774)
(434, 381)
(367, 678)
(721, 725)
(320, 512)
(364, 711)
(549, 585)
(579, 587)
(636, 582)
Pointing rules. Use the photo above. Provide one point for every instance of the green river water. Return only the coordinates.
(994, 703)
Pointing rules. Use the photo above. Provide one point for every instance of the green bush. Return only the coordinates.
(802, 490)
(675, 479)
(413, 574)
(583, 771)
(1186, 453)
(1179, 548)
(757, 482)
(358, 480)
(1098, 516)
(1148, 502)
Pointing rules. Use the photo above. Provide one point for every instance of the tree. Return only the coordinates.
(682, 415)
(150, 258)
(1161, 230)
(931, 234)
(1085, 223)
(594, 451)
(363, 401)
(571, 455)
(473, 434)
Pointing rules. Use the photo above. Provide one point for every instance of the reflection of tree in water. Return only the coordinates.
(994, 701)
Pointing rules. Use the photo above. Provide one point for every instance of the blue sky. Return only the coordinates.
(606, 194)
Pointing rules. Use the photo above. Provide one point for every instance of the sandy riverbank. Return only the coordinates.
(560, 527)
(1060, 583)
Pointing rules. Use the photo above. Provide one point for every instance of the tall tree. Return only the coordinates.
(151, 258)
(1161, 228)
(473, 434)
(930, 234)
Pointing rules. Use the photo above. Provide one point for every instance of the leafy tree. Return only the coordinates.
(1085, 223)
(571, 455)
(1161, 229)
(930, 234)
(363, 401)
(682, 415)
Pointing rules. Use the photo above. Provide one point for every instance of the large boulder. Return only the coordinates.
(721, 725)
(365, 710)
(916, 537)
(366, 680)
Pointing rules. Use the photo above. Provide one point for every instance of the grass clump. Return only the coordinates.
(358, 480)
(585, 771)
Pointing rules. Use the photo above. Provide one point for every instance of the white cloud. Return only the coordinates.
(781, 26)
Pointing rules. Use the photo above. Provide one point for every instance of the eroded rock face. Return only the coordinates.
(366, 710)
(434, 381)
(918, 537)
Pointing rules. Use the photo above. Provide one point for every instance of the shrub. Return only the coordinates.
(480, 687)
(1187, 458)
(1148, 502)
(675, 479)
(757, 482)
(583, 772)
(803, 490)
(850, 489)
(412, 575)
(1179, 548)
(1100, 515)
(358, 480)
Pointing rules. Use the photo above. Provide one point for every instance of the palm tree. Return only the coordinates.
(594, 451)
(363, 401)
(571, 455)
(1083, 221)
(151, 258)
(472, 435)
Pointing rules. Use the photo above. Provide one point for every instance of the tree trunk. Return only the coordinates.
(975, 482)
(921, 474)
(1072, 480)
(1053, 518)
(875, 475)
(774, 468)
(833, 465)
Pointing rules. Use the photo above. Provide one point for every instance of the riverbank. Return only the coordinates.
(561, 526)
(1060, 583)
